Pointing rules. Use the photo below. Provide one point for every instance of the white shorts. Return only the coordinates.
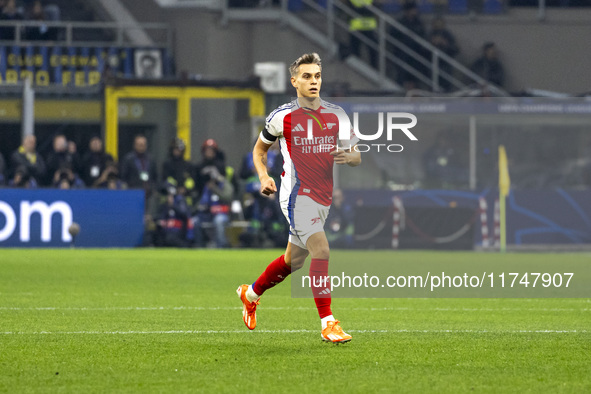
(305, 217)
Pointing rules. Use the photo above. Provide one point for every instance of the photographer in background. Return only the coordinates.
(266, 222)
(109, 178)
(95, 162)
(23, 179)
(216, 193)
(212, 157)
(27, 157)
(173, 225)
(65, 178)
(178, 172)
(64, 154)
(214, 206)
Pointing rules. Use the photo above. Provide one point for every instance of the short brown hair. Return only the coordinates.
(307, 58)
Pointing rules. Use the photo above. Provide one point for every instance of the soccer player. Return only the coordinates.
(306, 188)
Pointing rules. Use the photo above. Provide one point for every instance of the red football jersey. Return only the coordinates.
(307, 162)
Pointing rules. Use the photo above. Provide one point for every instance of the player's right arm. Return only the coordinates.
(259, 157)
(272, 131)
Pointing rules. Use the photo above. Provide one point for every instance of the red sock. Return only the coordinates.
(320, 287)
(275, 273)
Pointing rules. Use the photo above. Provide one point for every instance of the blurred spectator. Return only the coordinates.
(23, 179)
(36, 13)
(214, 207)
(366, 24)
(216, 193)
(443, 40)
(65, 178)
(10, 12)
(248, 172)
(2, 170)
(27, 156)
(340, 221)
(173, 226)
(411, 20)
(109, 178)
(488, 65)
(64, 153)
(52, 12)
(266, 222)
(138, 169)
(94, 161)
(177, 172)
(212, 157)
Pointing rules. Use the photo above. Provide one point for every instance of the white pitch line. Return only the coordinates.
(199, 308)
(201, 332)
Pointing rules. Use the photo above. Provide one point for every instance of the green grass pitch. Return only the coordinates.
(148, 320)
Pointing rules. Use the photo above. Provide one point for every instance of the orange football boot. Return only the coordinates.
(249, 310)
(334, 333)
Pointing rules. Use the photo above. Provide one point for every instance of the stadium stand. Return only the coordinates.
(201, 63)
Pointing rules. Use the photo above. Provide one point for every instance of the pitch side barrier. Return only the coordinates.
(51, 218)
(464, 220)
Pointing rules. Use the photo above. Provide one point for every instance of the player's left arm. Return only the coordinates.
(350, 157)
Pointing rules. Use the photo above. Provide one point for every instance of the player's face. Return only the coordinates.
(308, 81)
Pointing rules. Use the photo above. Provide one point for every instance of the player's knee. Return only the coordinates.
(321, 252)
(295, 263)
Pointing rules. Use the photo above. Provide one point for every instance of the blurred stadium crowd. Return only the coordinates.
(29, 10)
(202, 204)
(408, 13)
(187, 204)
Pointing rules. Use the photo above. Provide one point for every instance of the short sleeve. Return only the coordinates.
(273, 127)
